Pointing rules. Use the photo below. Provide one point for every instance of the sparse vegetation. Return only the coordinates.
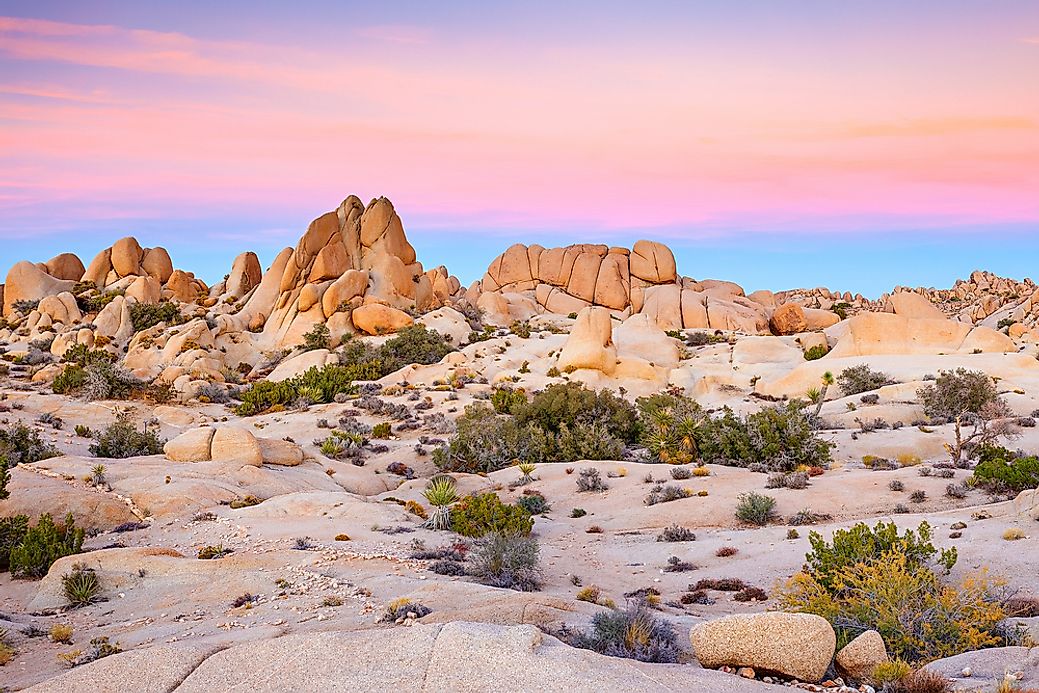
(81, 586)
(634, 632)
(506, 560)
(480, 514)
(755, 509)
(122, 439)
(858, 379)
(42, 545)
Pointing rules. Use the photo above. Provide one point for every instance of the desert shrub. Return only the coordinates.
(587, 441)
(719, 584)
(668, 427)
(209, 553)
(1013, 534)
(958, 392)
(400, 609)
(791, 480)
(121, 439)
(589, 479)
(381, 430)
(562, 405)
(486, 442)
(726, 551)
(533, 503)
(480, 514)
(896, 485)
(918, 496)
(80, 587)
(681, 473)
(506, 560)
(674, 533)
(317, 338)
(666, 494)
(634, 632)
(816, 352)
(957, 491)
(1002, 471)
(807, 517)
(69, 381)
(99, 648)
(319, 385)
(42, 545)
(25, 305)
(507, 401)
(781, 438)
(755, 508)
(22, 444)
(919, 616)
(145, 315)
(413, 344)
(12, 533)
(858, 379)
(863, 544)
(61, 633)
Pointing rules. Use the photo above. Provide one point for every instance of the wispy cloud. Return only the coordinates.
(396, 33)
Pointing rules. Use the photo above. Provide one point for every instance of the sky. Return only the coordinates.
(776, 143)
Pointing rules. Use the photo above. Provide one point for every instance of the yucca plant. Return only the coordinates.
(441, 493)
(80, 587)
(672, 439)
(97, 476)
(526, 469)
(827, 380)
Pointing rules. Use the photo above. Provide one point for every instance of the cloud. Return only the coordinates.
(940, 126)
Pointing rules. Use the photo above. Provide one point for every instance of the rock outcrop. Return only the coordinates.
(797, 645)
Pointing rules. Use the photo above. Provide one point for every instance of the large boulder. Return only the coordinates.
(797, 645)
(789, 318)
(236, 445)
(869, 334)
(126, 256)
(190, 446)
(157, 264)
(590, 344)
(376, 318)
(652, 262)
(912, 305)
(26, 281)
(245, 275)
(65, 266)
(860, 657)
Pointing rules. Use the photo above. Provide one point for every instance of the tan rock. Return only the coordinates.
(99, 268)
(280, 452)
(663, 304)
(912, 305)
(381, 229)
(145, 289)
(26, 281)
(245, 275)
(511, 267)
(126, 256)
(330, 263)
(819, 319)
(584, 276)
(590, 344)
(653, 262)
(640, 337)
(349, 286)
(236, 445)
(65, 266)
(694, 310)
(376, 318)
(613, 283)
(797, 645)
(183, 286)
(788, 318)
(860, 657)
(157, 264)
(190, 446)
(309, 296)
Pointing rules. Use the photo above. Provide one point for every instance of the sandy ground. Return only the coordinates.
(171, 596)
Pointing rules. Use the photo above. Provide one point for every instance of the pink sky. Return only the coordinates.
(837, 126)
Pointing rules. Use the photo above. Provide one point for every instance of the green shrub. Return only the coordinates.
(121, 439)
(81, 587)
(480, 514)
(23, 445)
(534, 503)
(319, 385)
(587, 441)
(959, 392)
(1002, 471)
(566, 404)
(633, 633)
(755, 508)
(318, 338)
(145, 315)
(862, 544)
(507, 401)
(486, 442)
(816, 352)
(381, 430)
(5, 478)
(858, 379)
(780, 437)
(12, 533)
(43, 544)
(668, 426)
(70, 380)
(507, 560)
(413, 344)
(918, 615)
